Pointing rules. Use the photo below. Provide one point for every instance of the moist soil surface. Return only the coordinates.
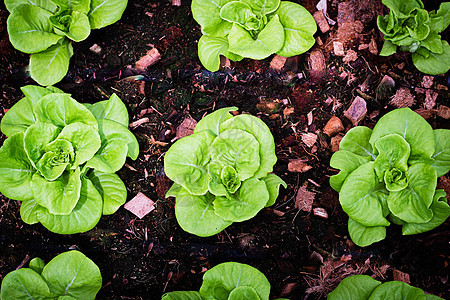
(303, 251)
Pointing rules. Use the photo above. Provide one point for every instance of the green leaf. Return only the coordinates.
(30, 30)
(397, 290)
(213, 120)
(393, 153)
(215, 185)
(433, 43)
(45, 4)
(221, 280)
(261, 132)
(299, 28)
(207, 14)
(28, 211)
(106, 12)
(436, 63)
(356, 287)
(195, 214)
(84, 139)
(50, 66)
(243, 293)
(209, 51)
(346, 162)
(34, 92)
(389, 48)
(59, 196)
(18, 118)
(361, 197)
(230, 179)
(182, 295)
(441, 155)
(73, 274)
(111, 188)
(112, 109)
(78, 29)
(421, 30)
(186, 162)
(37, 265)
(240, 13)
(24, 284)
(83, 217)
(364, 236)
(57, 157)
(444, 14)
(36, 138)
(262, 7)
(76, 5)
(238, 149)
(273, 183)
(251, 197)
(61, 110)
(174, 190)
(112, 131)
(403, 8)
(441, 211)
(409, 125)
(268, 41)
(356, 140)
(412, 203)
(110, 158)
(16, 170)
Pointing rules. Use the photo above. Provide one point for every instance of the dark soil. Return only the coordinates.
(302, 255)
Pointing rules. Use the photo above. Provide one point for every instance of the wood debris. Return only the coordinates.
(151, 58)
(350, 56)
(386, 88)
(95, 49)
(317, 64)
(186, 128)
(321, 21)
(140, 205)
(176, 2)
(139, 122)
(400, 276)
(278, 62)
(298, 166)
(335, 140)
(427, 81)
(357, 110)
(333, 126)
(444, 112)
(304, 199)
(373, 47)
(338, 48)
(430, 99)
(288, 111)
(320, 212)
(402, 98)
(309, 139)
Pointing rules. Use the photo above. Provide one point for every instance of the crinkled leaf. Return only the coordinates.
(219, 281)
(393, 152)
(238, 149)
(61, 110)
(346, 162)
(207, 14)
(213, 120)
(409, 125)
(436, 63)
(186, 162)
(106, 12)
(57, 157)
(444, 14)
(356, 140)
(397, 290)
(441, 155)
(73, 274)
(84, 139)
(111, 188)
(389, 48)
(37, 265)
(182, 295)
(441, 211)
(230, 179)
(356, 287)
(78, 29)
(262, 133)
(215, 185)
(433, 43)
(24, 284)
(59, 196)
(263, 7)
(16, 170)
(245, 203)
(361, 197)
(269, 40)
(195, 214)
(83, 217)
(28, 211)
(403, 8)
(412, 203)
(299, 28)
(241, 13)
(36, 138)
(30, 30)
(364, 236)
(45, 4)
(273, 183)
(50, 66)
(18, 118)
(76, 5)
(112, 109)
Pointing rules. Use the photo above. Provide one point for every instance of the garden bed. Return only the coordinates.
(303, 252)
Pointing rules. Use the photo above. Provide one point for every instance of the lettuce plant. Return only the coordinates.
(364, 287)
(221, 172)
(46, 28)
(409, 27)
(61, 156)
(391, 172)
(228, 281)
(70, 275)
(251, 28)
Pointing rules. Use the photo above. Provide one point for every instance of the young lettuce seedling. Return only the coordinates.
(221, 172)
(61, 156)
(45, 29)
(251, 28)
(364, 287)
(391, 172)
(228, 281)
(409, 27)
(70, 275)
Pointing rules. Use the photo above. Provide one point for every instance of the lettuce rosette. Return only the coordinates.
(61, 156)
(221, 172)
